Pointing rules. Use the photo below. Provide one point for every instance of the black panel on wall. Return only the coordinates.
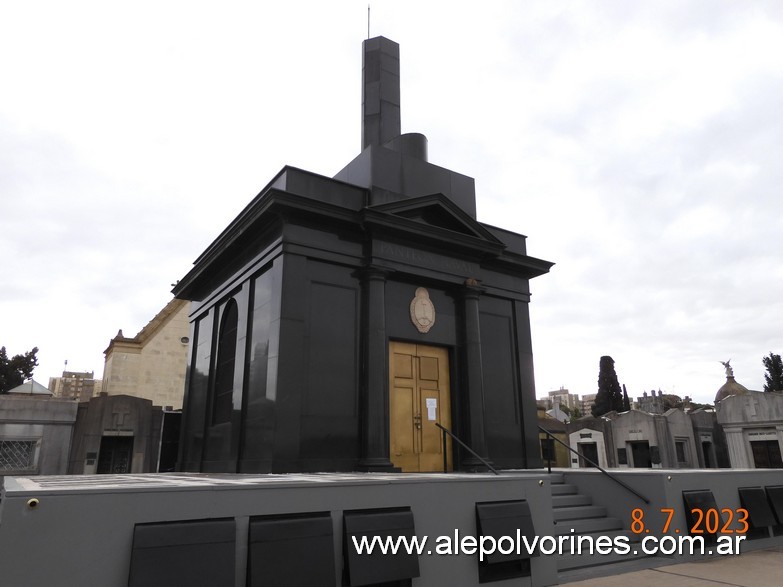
(501, 387)
(701, 500)
(221, 441)
(259, 406)
(183, 554)
(169, 441)
(376, 568)
(775, 495)
(760, 515)
(195, 401)
(330, 399)
(291, 551)
(502, 519)
(332, 372)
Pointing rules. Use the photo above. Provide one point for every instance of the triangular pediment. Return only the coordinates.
(438, 211)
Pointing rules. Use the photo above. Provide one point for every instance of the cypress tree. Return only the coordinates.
(773, 378)
(609, 396)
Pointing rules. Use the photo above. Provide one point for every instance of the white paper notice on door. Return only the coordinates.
(432, 406)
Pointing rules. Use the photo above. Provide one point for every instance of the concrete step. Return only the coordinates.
(576, 499)
(588, 525)
(565, 489)
(574, 515)
(578, 513)
(556, 478)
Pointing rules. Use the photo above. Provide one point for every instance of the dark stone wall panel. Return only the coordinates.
(195, 401)
(221, 447)
(527, 391)
(258, 424)
(329, 419)
(501, 386)
(287, 375)
(331, 437)
(332, 354)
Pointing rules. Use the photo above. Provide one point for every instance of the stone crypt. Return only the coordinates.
(335, 321)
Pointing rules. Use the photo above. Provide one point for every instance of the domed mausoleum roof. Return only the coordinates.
(731, 387)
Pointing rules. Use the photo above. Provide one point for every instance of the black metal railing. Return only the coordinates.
(596, 465)
(463, 445)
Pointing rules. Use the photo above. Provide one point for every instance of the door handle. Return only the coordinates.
(417, 421)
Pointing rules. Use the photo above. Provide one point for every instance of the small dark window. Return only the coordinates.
(680, 448)
(706, 449)
(226, 358)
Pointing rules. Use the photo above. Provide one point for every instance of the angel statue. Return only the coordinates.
(729, 370)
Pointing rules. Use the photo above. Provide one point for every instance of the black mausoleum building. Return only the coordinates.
(335, 321)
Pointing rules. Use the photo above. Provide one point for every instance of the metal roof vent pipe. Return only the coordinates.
(411, 144)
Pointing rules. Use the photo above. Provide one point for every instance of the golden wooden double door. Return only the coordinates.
(419, 397)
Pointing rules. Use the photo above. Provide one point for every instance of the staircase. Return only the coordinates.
(574, 510)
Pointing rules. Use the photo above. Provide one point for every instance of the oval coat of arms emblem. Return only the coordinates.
(422, 311)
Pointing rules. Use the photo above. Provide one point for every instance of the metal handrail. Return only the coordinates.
(596, 465)
(463, 445)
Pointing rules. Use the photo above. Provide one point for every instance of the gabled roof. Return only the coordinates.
(438, 211)
(160, 319)
(551, 424)
(153, 326)
(433, 219)
(31, 388)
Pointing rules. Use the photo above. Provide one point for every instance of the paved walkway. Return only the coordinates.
(760, 568)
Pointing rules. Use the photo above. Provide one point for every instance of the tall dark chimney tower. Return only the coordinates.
(392, 165)
(380, 91)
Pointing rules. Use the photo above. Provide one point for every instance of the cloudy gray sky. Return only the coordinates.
(638, 145)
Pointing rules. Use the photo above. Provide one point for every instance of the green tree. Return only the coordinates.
(609, 396)
(15, 370)
(697, 406)
(773, 378)
(671, 400)
(626, 401)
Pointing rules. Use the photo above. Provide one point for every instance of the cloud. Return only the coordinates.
(636, 144)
